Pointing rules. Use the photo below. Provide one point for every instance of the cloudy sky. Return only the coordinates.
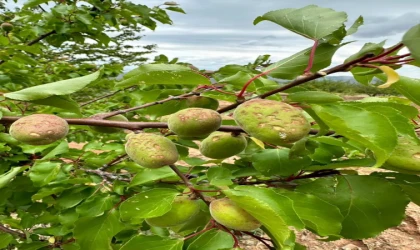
(218, 32)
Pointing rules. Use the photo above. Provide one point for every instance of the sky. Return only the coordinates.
(214, 33)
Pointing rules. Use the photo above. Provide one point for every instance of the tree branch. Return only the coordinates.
(339, 68)
(132, 125)
(36, 40)
(11, 231)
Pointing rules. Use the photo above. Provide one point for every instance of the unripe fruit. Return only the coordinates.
(7, 27)
(230, 215)
(221, 145)
(270, 121)
(194, 122)
(183, 209)
(39, 129)
(406, 155)
(202, 102)
(109, 130)
(151, 150)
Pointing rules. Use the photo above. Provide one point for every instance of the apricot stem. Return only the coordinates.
(188, 183)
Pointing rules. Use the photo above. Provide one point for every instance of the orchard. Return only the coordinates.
(170, 156)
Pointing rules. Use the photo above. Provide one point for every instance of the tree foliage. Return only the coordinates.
(124, 163)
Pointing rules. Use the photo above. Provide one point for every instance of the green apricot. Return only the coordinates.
(151, 150)
(194, 123)
(230, 215)
(39, 129)
(202, 102)
(183, 209)
(221, 145)
(271, 121)
(405, 157)
(109, 130)
(7, 27)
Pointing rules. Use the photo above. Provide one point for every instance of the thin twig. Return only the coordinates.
(36, 40)
(123, 111)
(103, 97)
(339, 68)
(260, 239)
(188, 183)
(113, 162)
(105, 175)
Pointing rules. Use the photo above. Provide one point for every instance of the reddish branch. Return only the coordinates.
(241, 94)
(385, 53)
(311, 58)
(339, 68)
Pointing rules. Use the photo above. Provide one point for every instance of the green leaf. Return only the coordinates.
(273, 210)
(96, 205)
(240, 78)
(408, 182)
(411, 39)
(62, 102)
(320, 216)
(34, 3)
(407, 86)
(311, 21)
(63, 87)
(148, 175)
(219, 176)
(35, 245)
(84, 18)
(369, 204)
(211, 240)
(271, 162)
(294, 65)
(62, 148)
(407, 110)
(353, 29)
(150, 74)
(370, 129)
(374, 48)
(43, 173)
(96, 233)
(152, 242)
(148, 204)
(5, 239)
(313, 97)
(9, 175)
